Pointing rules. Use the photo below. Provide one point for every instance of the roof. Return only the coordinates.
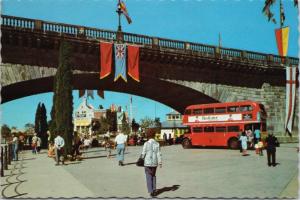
(174, 113)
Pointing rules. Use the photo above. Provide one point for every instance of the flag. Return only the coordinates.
(282, 39)
(100, 93)
(105, 59)
(133, 62)
(290, 97)
(282, 16)
(266, 10)
(125, 12)
(120, 62)
(131, 99)
(90, 93)
(81, 93)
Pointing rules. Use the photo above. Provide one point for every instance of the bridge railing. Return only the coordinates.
(93, 33)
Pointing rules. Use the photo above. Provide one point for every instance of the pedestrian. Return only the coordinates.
(244, 139)
(152, 158)
(51, 150)
(271, 143)
(76, 147)
(165, 138)
(34, 143)
(108, 147)
(120, 141)
(170, 139)
(256, 135)
(59, 144)
(260, 145)
(15, 145)
(38, 144)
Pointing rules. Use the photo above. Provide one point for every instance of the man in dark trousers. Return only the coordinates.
(272, 142)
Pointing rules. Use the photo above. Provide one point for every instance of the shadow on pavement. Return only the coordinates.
(132, 163)
(28, 159)
(104, 156)
(87, 151)
(166, 189)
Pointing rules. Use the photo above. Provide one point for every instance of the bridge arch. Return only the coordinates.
(170, 94)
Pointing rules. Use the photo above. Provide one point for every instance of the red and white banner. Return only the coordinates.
(133, 62)
(105, 59)
(290, 97)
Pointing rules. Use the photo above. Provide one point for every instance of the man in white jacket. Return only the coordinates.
(152, 158)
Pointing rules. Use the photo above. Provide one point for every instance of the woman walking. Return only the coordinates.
(244, 139)
(151, 153)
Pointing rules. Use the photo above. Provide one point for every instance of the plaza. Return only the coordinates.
(186, 173)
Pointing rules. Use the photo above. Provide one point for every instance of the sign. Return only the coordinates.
(213, 118)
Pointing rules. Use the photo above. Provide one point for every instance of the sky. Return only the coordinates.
(240, 23)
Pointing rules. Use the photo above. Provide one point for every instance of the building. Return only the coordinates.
(173, 125)
(86, 114)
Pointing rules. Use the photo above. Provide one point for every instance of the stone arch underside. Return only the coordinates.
(173, 95)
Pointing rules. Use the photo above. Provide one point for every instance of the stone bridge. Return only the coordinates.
(175, 73)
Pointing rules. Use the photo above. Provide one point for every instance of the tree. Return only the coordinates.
(37, 121)
(125, 125)
(104, 125)
(135, 126)
(5, 131)
(29, 128)
(52, 123)
(100, 107)
(146, 123)
(43, 126)
(157, 124)
(111, 117)
(63, 101)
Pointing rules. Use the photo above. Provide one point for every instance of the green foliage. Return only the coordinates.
(29, 128)
(104, 125)
(5, 131)
(63, 101)
(37, 121)
(44, 126)
(146, 123)
(135, 126)
(125, 125)
(111, 117)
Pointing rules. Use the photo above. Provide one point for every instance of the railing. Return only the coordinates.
(6, 158)
(92, 33)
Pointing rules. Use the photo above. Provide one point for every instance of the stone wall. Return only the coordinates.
(272, 97)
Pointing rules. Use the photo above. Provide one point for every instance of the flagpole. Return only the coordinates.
(280, 14)
(119, 13)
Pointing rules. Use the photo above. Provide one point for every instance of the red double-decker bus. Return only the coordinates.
(220, 124)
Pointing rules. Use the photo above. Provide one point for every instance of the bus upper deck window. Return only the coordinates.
(197, 111)
(188, 112)
(245, 108)
(232, 109)
(208, 110)
(220, 110)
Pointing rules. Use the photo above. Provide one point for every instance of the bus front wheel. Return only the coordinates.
(233, 143)
(186, 143)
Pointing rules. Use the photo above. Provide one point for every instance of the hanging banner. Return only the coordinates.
(290, 97)
(90, 93)
(105, 59)
(120, 62)
(282, 39)
(81, 93)
(100, 93)
(133, 62)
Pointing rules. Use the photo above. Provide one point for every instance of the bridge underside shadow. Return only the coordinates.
(170, 94)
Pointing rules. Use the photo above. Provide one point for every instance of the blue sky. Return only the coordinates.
(240, 23)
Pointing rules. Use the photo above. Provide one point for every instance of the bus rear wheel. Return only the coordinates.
(233, 143)
(186, 143)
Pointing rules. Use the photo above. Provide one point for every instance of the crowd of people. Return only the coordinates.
(247, 139)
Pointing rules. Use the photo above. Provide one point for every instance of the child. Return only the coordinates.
(260, 147)
(51, 150)
(108, 147)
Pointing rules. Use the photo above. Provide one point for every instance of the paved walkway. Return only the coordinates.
(198, 173)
